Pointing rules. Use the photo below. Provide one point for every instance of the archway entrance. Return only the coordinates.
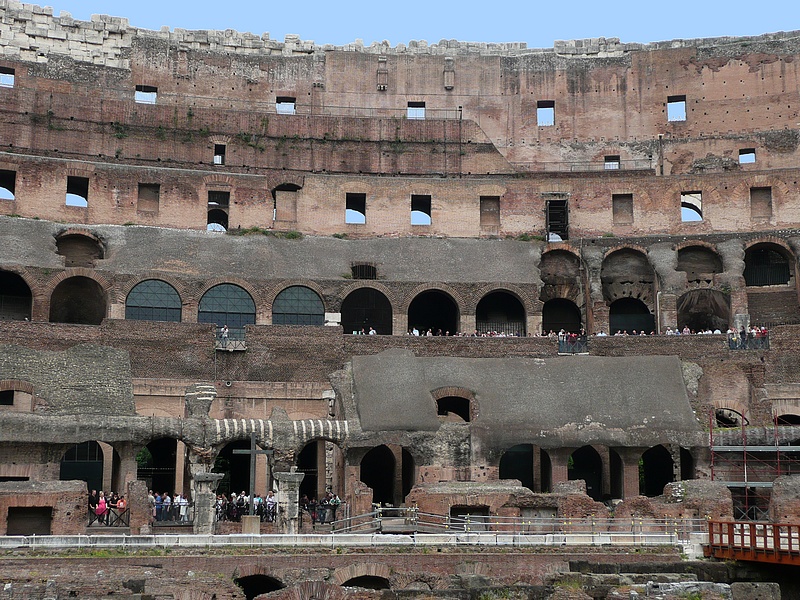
(15, 298)
(433, 310)
(364, 308)
(699, 263)
(234, 467)
(256, 585)
(501, 312)
(378, 472)
(558, 314)
(85, 462)
(630, 314)
(78, 300)
(311, 462)
(701, 310)
(156, 465)
(656, 469)
(529, 464)
(767, 264)
(585, 463)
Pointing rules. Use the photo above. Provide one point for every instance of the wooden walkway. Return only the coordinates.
(761, 542)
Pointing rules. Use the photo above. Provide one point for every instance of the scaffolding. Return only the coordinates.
(748, 459)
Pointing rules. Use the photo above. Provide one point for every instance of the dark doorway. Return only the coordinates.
(501, 312)
(702, 310)
(364, 308)
(85, 462)
(235, 467)
(630, 314)
(433, 310)
(15, 298)
(656, 471)
(78, 300)
(29, 520)
(787, 419)
(558, 314)
(699, 263)
(687, 465)
(378, 472)
(453, 409)
(255, 585)
(156, 465)
(409, 472)
(766, 264)
(517, 463)
(585, 463)
(79, 250)
(370, 582)
(308, 463)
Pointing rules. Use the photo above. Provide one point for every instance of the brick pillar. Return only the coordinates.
(533, 325)
(468, 323)
(399, 324)
(559, 458)
(667, 311)
(630, 476)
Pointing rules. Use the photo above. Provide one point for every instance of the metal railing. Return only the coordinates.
(636, 164)
(501, 328)
(180, 513)
(113, 517)
(233, 339)
(752, 341)
(573, 345)
(764, 542)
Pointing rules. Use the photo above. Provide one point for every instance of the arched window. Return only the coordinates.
(15, 298)
(227, 304)
(78, 300)
(153, 300)
(298, 305)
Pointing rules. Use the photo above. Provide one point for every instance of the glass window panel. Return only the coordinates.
(227, 304)
(153, 300)
(298, 305)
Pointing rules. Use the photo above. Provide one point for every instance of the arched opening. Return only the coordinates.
(78, 300)
(219, 203)
(687, 465)
(727, 417)
(234, 467)
(787, 419)
(311, 462)
(702, 310)
(84, 462)
(453, 409)
(517, 463)
(153, 300)
(298, 305)
(79, 250)
(378, 472)
(370, 582)
(409, 472)
(558, 314)
(630, 314)
(626, 273)
(585, 463)
(8, 181)
(767, 264)
(256, 585)
(227, 304)
(501, 312)
(364, 308)
(156, 465)
(16, 299)
(433, 311)
(699, 263)
(656, 469)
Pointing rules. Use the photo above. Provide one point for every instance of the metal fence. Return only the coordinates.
(573, 345)
(112, 517)
(637, 164)
(233, 339)
(751, 341)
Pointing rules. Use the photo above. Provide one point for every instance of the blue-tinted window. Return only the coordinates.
(153, 300)
(227, 304)
(298, 305)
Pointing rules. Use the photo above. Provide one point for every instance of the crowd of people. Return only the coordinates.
(164, 507)
(234, 507)
(108, 510)
(323, 511)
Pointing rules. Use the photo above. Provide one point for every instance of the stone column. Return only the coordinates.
(630, 471)
(289, 500)
(595, 304)
(468, 324)
(559, 457)
(205, 499)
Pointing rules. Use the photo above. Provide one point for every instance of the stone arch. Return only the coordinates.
(16, 297)
(79, 299)
(54, 281)
(434, 287)
(729, 414)
(435, 307)
(378, 467)
(453, 392)
(121, 292)
(341, 575)
(365, 306)
(244, 319)
(700, 262)
(501, 310)
(298, 310)
(19, 395)
(702, 309)
(527, 463)
(79, 247)
(769, 262)
(154, 300)
(587, 464)
(156, 464)
(560, 271)
(656, 471)
(780, 191)
(256, 584)
(561, 313)
(780, 408)
(626, 272)
(630, 314)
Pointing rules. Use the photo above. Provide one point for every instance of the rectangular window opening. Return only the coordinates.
(676, 108)
(490, 211)
(6, 77)
(420, 209)
(557, 220)
(355, 209)
(77, 191)
(364, 271)
(149, 196)
(7, 398)
(622, 209)
(761, 202)
(29, 520)
(285, 105)
(747, 156)
(691, 206)
(546, 113)
(219, 154)
(8, 184)
(145, 94)
(611, 162)
(218, 204)
(415, 110)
